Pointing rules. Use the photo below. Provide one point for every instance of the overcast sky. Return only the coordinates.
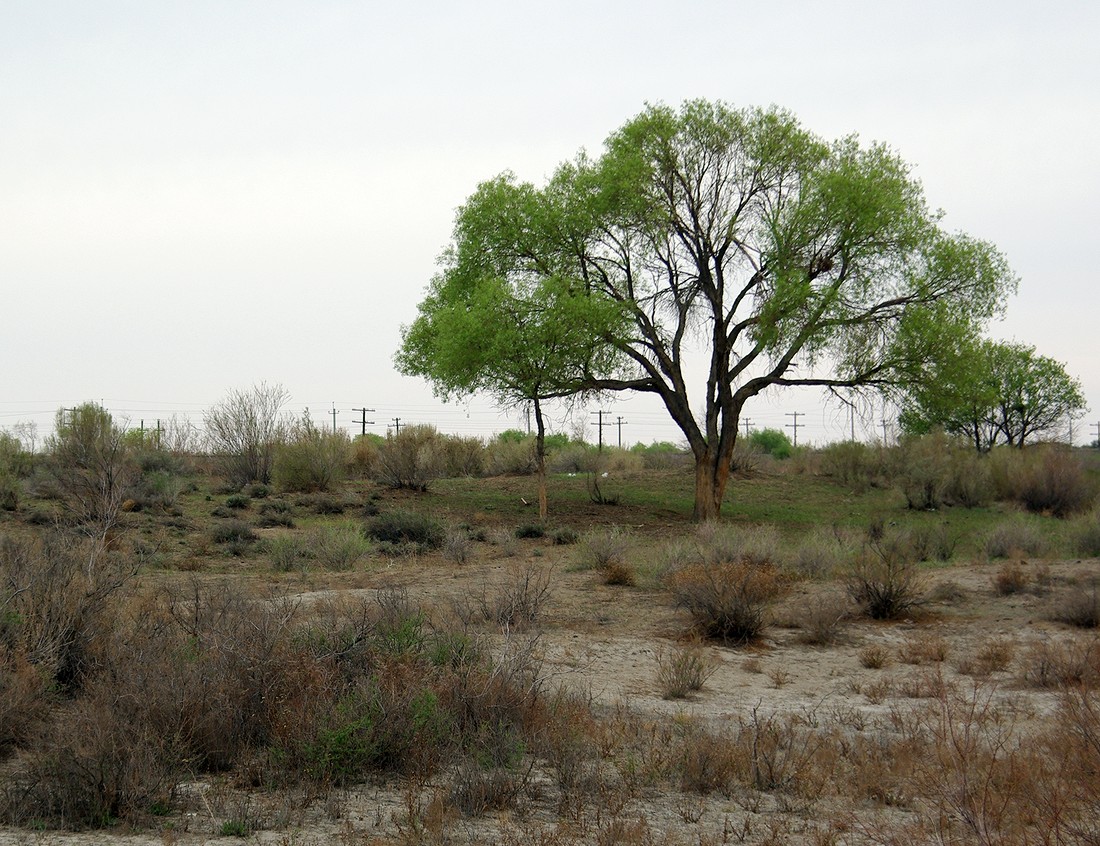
(197, 196)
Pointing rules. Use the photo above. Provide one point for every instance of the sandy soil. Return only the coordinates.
(606, 641)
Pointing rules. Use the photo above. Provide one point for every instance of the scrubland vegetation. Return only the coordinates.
(377, 641)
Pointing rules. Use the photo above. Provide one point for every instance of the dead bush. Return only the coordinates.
(1052, 480)
(412, 459)
(728, 601)
(1015, 539)
(514, 605)
(821, 619)
(1078, 607)
(992, 656)
(874, 656)
(884, 580)
(923, 648)
(1011, 578)
(683, 670)
(1062, 663)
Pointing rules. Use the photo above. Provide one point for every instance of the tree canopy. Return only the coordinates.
(735, 233)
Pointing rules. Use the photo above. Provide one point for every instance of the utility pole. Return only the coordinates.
(747, 423)
(397, 425)
(600, 424)
(852, 420)
(620, 423)
(796, 424)
(363, 420)
(884, 431)
(1097, 427)
(528, 413)
(333, 412)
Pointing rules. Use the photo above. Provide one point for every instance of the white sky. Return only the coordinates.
(196, 196)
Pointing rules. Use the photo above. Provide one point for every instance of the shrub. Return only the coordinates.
(601, 549)
(412, 459)
(286, 552)
(462, 457)
(684, 670)
(311, 459)
(1086, 535)
(338, 547)
(1052, 480)
(821, 618)
(516, 604)
(773, 442)
(874, 656)
(822, 552)
(530, 531)
(855, 465)
(885, 581)
(930, 543)
(244, 430)
(1010, 579)
(457, 546)
(662, 455)
(564, 536)
(1079, 607)
(728, 601)
(1013, 539)
(923, 470)
(507, 457)
(236, 535)
(237, 502)
(406, 527)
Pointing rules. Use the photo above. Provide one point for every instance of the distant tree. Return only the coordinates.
(789, 260)
(244, 430)
(88, 459)
(992, 392)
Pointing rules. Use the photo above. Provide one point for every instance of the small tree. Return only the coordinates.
(88, 460)
(245, 428)
(311, 459)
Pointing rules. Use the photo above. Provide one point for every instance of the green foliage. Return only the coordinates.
(88, 461)
(773, 442)
(413, 458)
(311, 459)
(406, 527)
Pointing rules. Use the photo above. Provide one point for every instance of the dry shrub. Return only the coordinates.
(855, 465)
(476, 791)
(884, 580)
(1010, 579)
(728, 601)
(992, 656)
(457, 546)
(603, 548)
(822, 553)
(684, 670)
(1052, 480)
(1062, 663)
(58, 599)
(874, 656)
(412, 459)
(1015, 539)
(821, 619)
(1079, 606)
(26, 699)
(1086, 535)
(923, 648)
(516, 604)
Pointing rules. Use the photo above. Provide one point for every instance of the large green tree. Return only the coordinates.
(738, 236)
(499, 319)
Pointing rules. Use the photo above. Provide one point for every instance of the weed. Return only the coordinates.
(1015, 539)
(1079, 607)
(406, 527)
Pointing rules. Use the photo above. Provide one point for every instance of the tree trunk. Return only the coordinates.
(711, 475)
(540, 460)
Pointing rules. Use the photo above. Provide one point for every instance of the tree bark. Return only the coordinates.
(712, 473)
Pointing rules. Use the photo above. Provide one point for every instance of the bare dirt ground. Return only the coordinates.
(605, 642)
